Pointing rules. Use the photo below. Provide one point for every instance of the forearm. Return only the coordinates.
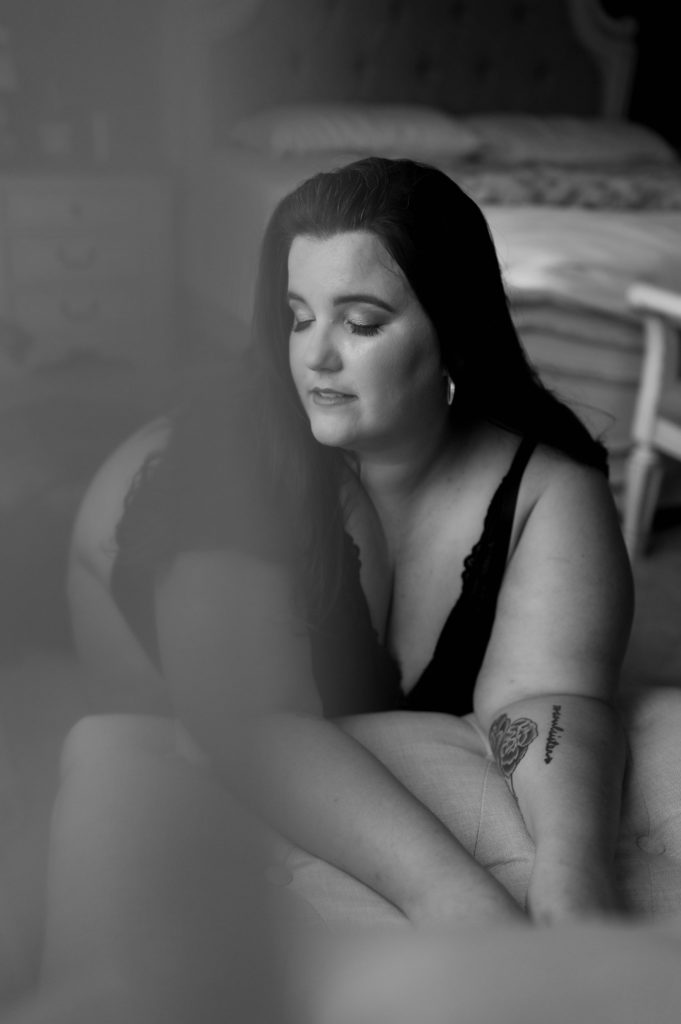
(329, 794)
(563, 758)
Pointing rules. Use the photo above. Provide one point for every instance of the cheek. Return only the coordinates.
(408, 369)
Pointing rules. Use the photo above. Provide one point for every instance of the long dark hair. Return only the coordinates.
(439, 238)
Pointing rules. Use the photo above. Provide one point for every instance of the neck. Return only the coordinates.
(396, 478)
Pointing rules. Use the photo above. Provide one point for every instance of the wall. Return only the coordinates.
(76, 57)
(88, 55)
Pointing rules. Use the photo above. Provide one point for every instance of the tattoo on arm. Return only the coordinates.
(509, 742)
(553, 741)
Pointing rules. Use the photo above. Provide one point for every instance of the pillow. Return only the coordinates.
(522, 138)
(383, 129)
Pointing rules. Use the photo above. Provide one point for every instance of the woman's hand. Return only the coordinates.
(480, 901)
(562, 757)
(561, 891)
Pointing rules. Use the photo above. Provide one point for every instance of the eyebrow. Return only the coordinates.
(341, 300)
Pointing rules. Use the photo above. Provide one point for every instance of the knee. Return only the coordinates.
(98, 740)
(88, 741)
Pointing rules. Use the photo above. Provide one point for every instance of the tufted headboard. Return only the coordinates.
(224, 58)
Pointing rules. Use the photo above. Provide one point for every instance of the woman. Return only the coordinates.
(386, 511)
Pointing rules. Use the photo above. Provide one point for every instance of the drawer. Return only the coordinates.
(71, 206)
(86, 316)
(74, 256)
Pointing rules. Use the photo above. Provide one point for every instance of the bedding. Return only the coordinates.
(527, 139)
(648, 186)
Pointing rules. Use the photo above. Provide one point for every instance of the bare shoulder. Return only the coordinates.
(568, 494)
(571, 554)
(565, 606)
(104, 500)
(568, 516)
(554, 488)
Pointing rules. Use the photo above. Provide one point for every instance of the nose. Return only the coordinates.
(321, 352)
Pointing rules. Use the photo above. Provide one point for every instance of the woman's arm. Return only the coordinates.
(239, 666)
(545, 692)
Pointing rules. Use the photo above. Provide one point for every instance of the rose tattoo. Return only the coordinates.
(509, 742)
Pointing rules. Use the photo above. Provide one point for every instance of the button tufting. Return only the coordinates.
(541, 72)
(518, 12)
(457, 9)
(482, 66)
(423, 66)
(359, 64)
(295, 61)
(650, 844)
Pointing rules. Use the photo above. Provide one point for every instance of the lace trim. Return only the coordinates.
(486, 542)
(481, 551)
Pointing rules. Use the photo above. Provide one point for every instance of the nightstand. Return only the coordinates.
(86, 266)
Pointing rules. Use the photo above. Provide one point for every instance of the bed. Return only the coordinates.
(579, 202)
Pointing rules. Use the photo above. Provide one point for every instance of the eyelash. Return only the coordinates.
(365, 330)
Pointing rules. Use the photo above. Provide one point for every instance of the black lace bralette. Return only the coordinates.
(354, 672)
(357, 673)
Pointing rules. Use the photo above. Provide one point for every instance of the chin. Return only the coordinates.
(327, 432)
(332, 438)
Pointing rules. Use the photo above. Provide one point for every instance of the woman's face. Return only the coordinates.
(363, 354)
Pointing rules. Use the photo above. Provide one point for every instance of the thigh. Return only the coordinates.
(409, 730)
(149, 852)
(153, 867)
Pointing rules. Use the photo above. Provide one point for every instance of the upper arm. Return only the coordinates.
(231, 640)
(566, 603)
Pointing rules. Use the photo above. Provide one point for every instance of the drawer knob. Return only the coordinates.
(77, 259)
(79, 312)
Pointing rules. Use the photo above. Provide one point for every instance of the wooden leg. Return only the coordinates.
(644, 473)
(653, 486)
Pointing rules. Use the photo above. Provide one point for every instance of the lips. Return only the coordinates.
(331, 393)
(330, 398)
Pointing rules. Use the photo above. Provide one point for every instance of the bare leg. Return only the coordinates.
(154, 883)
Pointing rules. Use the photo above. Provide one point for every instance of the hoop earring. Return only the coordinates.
(451, 389)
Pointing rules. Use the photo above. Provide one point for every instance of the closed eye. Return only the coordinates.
(366, 330)
(300, 325)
